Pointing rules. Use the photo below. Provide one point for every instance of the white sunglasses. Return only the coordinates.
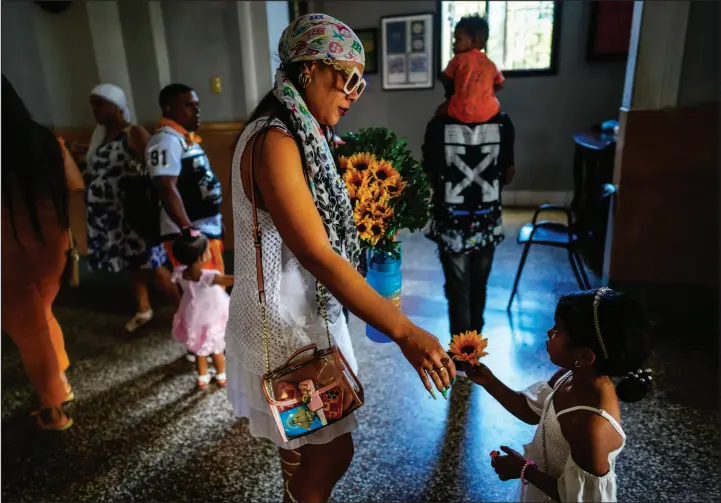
(354, 80)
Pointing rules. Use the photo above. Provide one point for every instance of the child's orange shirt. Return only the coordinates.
(474, 76)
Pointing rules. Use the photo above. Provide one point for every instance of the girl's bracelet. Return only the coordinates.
(523, 470)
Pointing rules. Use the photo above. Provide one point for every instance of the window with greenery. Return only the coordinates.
(523, 36)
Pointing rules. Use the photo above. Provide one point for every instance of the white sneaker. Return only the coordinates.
(139, 320)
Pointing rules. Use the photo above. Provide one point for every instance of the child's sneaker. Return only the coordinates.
(139, 320)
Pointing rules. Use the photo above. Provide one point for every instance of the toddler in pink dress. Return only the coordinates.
(202, 315)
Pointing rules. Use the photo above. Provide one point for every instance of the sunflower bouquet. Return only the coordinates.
(387, 187)
(466, 348)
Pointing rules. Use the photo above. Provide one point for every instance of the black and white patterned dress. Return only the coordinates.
(112, 244)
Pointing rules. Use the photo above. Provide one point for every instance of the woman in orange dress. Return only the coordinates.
(37, 175)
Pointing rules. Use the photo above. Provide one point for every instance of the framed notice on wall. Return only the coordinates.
(407, 51)
(369, 39)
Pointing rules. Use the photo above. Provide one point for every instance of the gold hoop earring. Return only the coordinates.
(577, 364)
(304, 78)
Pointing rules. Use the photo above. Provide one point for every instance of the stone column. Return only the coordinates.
(260, 25)
(108, 46)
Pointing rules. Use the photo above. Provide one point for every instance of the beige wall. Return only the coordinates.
(56, 59)
(66, 52)
(204, 42)
(21, 58)
(49, 58)
(55, 68)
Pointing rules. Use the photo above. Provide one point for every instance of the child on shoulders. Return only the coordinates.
(471, 79)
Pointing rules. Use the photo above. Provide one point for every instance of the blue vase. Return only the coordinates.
(384, 275)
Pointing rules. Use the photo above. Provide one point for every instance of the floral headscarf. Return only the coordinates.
(318, 36)
(309, 38)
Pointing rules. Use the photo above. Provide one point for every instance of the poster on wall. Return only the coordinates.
(369, 39)
(609, 31)
(407, 52)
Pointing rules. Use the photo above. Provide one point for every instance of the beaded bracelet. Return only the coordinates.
(523, 470)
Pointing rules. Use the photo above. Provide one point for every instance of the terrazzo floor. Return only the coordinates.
(143, 433)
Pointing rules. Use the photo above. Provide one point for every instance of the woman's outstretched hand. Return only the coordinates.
(425, 353)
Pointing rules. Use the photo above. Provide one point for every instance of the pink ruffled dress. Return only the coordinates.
(202, 316)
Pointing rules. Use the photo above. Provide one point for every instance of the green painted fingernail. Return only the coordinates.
(445, 393)
(433, 395)
(453, 381)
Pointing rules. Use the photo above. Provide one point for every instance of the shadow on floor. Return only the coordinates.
(143, 433)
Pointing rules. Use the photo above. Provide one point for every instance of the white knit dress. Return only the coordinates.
(292, 313)
(574, 484)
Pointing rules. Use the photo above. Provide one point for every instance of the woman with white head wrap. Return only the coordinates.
(115, 154)
(309, 240)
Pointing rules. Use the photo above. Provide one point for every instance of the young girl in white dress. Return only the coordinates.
(598, 334)
(202, 316)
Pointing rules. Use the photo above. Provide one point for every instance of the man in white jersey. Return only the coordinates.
(189, 191)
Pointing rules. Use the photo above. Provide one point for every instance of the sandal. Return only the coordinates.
(50, 426)
(287, 491)
(202, 381)
(139, 320)
(70, 395)
(290, 463)
(220, 380)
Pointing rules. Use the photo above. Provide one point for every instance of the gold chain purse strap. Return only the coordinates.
(258, 243)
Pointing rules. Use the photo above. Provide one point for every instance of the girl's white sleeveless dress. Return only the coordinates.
(292, 313)
(574, 484)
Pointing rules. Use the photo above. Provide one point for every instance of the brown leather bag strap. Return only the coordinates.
(258, 243)
(257, 233)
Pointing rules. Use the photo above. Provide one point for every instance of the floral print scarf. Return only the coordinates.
(317, 37)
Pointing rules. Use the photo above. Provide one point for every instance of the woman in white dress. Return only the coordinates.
(309, 239)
